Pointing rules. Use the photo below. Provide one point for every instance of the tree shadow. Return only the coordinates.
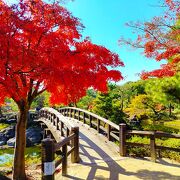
(101, 166)
(105, 166)
(95, 163)
(160, 161)
(151, 175)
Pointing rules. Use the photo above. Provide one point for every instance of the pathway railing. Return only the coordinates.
(56, 123)
(152, 135)
(118, 132)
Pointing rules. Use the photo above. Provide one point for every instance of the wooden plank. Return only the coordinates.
(135, 132)
(114, 136)
(168, 148)
(64, 141)
(168, 135)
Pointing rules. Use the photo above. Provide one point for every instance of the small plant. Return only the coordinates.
(3, 126)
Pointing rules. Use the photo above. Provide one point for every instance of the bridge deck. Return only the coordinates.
(100, 160)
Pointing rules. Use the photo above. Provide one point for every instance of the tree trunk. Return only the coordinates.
(19, 152)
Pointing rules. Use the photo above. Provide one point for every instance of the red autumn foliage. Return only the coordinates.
(160, 39)
(41, 49)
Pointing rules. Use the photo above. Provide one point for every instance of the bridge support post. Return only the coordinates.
(98, 125)
(84, 118)
(75, 143)
(46, 133)
(64, 160)
(109, 132)
(153, 148)
(90, 121)
(48, 164)
(122, 139)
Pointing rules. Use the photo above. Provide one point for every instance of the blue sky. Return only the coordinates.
(104, 22)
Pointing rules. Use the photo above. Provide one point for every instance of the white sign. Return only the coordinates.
(49, 168)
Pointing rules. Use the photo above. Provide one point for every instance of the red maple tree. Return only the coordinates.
(160, 39)
(41, 48)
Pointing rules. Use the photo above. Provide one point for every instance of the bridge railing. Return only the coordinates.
(102, 125)
(118, 132)
(152, 135)
(69, 145)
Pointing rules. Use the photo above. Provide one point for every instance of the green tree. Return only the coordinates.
(86, 102)
(41, 100)
(128, 91)
(165, 91)
(108, 105)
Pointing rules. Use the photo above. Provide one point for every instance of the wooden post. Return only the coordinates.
(67, 132)
(57, 123)
(90, 120)
(64, 160)
(108, 132)
(75, 143)
(48, 164)
(98, 125)
(84, 118)
(46, 133)
(71, 113)
(122, 139)
(68, 111)
(74, 114)
(153, 148)
(79, 115)
(62, 126)
(54, 119)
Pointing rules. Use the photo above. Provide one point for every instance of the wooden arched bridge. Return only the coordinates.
(97, 148)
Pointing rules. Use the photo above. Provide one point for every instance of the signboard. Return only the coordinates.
(49, 168)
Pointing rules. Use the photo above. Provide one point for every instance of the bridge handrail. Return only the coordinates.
(49, 148)
(115, 126)
(121, 132)
(58, 115)
(57, 123)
